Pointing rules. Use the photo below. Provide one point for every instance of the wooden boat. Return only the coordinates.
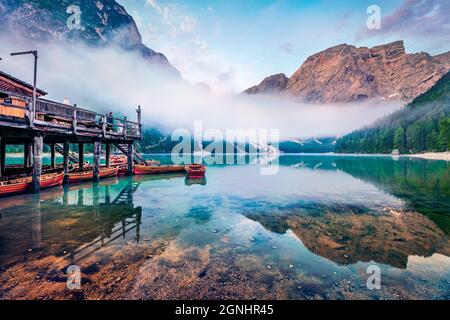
(52, 180)
(23, 185)
(74, 177)
(121, 162)
(152, 162)
(195, 171)
(118, 159)
(141, 169)
(122, 168)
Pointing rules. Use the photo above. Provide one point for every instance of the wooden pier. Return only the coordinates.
(57, 125)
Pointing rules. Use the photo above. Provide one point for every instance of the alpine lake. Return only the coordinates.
(314, 230)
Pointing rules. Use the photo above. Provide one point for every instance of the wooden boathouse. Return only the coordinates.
(57, 125)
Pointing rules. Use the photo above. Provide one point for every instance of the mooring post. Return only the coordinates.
(81, 155)
(108, 154)
(52, 155)
(130, 152)
(66, 161)
(97, 148)
(38, 145)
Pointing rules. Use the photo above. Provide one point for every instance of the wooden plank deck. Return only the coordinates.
(57, 118)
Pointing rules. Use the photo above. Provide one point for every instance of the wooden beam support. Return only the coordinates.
(108, 154)
(66, 160)
(130, 153)
(97, 148)
(38, 146)
(52, 155)
(81, 155)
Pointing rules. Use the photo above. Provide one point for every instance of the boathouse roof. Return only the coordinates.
(11, 84)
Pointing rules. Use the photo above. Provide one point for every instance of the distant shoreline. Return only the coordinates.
(445, 156)
(432, 156)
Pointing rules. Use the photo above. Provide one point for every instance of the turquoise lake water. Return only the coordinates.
(308, 232)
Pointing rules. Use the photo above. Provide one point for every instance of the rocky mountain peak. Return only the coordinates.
(270, 85)
(102, 22)
(389, 51)
(345, 73)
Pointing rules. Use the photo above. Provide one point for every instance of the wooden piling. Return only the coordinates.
(108, 154)
(97, 148)
(38, 145)
(81, 155)
(130, 159)
(66, 160)
(52, 155)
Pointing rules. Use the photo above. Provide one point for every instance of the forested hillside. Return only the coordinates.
(423, 125)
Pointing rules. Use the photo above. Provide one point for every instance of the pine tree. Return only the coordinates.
(444, 133)
(399, 140)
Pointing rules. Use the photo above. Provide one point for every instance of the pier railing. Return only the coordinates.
(62, 118)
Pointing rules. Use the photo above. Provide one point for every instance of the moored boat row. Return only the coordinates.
(23, 185)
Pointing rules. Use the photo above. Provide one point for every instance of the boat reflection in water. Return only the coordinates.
(192, 182)
(308, 232)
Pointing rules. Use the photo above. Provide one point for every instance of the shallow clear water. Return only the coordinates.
(308, 232)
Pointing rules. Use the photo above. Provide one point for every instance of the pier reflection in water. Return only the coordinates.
(70, 223)
(309, 232)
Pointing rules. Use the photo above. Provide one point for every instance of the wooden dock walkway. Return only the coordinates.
(58, 125)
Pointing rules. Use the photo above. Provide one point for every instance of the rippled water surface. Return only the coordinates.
(308, 232)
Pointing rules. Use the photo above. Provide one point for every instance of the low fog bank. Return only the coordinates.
(110, 79)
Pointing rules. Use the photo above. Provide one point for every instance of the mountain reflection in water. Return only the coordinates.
(308, 232)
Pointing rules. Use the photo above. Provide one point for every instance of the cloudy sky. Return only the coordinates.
(233, 44)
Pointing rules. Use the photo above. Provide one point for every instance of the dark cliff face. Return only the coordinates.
(103, 23)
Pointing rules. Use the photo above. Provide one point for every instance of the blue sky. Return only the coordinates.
(233, 44)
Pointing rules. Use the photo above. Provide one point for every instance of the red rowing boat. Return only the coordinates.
(52, 180)
(74, 177)
(141, 169)
(118, 159)
(23, 185)
(122, 168)
(195, 171)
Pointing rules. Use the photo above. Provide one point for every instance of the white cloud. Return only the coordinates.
(170, 103)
